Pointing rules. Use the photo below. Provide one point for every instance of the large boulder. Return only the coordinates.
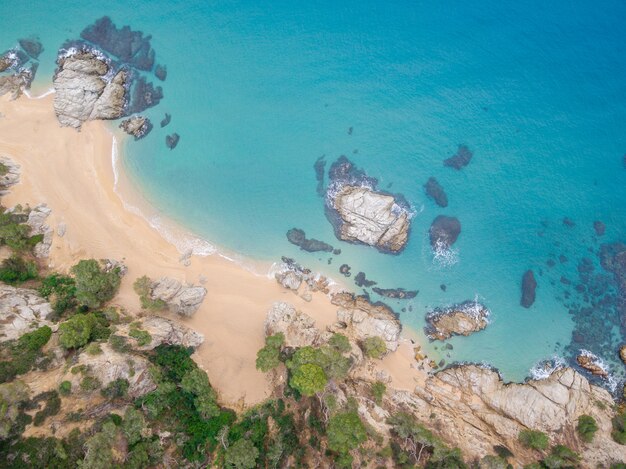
(359, 319)
(37, 221)
(21, 310)
(297, 327)
(444, 232)
(592, 363)
(181, 299)
(84, 89)
(462, 319)
(164, 331)
(137, 126)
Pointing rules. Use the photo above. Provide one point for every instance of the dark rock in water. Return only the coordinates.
(172, 140)
(361, 281)
(443, 287)
(565, 281)
(551, 262)
(563, 259)
(298, 237)
(336, 252)
(436, 192)
(128, 46)
(599, 227)
(12, 59)
(343, 172)
(137, 126)
(569, 222)
(350, 131)
(395, 293)
(344, 270)
(529, 285)
(580, 288)
(585, 266)
(160, 72)
(444, 232)
(166, 120)
(144, 95)
(320, 166)
(31, 46)
(624, 160)
(459, 160)
(463, 319)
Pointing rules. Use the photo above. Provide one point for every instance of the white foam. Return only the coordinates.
(444, 255)
(544, 368)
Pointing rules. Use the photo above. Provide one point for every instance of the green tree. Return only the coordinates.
(98, 449)
(12, 395)
(334, 364)
(587, 428)
(14, 234)
(378, 391)
(60, 291)
(77, 331)
(115, 389)
(36, 339)
(619, 428)
(15, 270)
(197, 383)
(561, 457)
(340, 343)
(268, 357)
(374, 347)
(94, 286)
(143, 288)
(345, 432)
(134, 425)
(241, 455)
(533, 439)
(308, 379)
(65, 388)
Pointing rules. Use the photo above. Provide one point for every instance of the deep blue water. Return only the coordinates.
(537, 90)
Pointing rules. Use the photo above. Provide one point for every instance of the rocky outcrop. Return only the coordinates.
(444, 232)
(9, 174)
(361, 214)
(37, 221)
(137, 126)
(359, 319)
(592, 364)
(166, 120)
(84, 89)
(181, 299)
(21, 310)
(15, 84)
(298, 328)
(172, 140)
(529, 285)
(164, 331)
(435, 191)
(396, 293)
(111, 365)
(460, 159)
(462, 319)
(298, 237)
(300, 280)
(475, 410)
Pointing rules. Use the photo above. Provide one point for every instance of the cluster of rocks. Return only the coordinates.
(137, 126)
(361, 214)
(21, 310)
(18, 67)
(180, 298)
(289, 274)
(9, 174)
(298, 237)
(462, 319)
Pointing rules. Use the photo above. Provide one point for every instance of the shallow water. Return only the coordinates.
(536, 90)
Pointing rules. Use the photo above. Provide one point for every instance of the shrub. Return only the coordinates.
(16, 270)
(268, 357)
(115, 389)
(119, 343)
(14, 234)
(89, 383)
(60, 291)
(345, 432)
(36, 339)
(143, 288)
(93, 349)
(77, 331)
(241, 455)
(533, 439)
(94, 286)
(374, 347)
(308, 379)
(587, 427)
(197, 383)
(52, 407)
(378, 390)
(340, 343)
(4, 169)
(561, 456)
(142, 337)
(65, 388)
(619, 428)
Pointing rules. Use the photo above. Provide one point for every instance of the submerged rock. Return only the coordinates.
(361, 281)
(529, 285)
(181, 299)
(360, 214)
(320, 166)
(463, 319)
(344, 270)
(569, 222)
(599, 228)
(444, 232)
(84, 91)
(161, 72)
(137, 126)
(129, 46)
(31, 46)
(435, 191)
(172, 140)
(298, 237)
(460, 159)
(144, 95)
(166, 120)
(396, 293)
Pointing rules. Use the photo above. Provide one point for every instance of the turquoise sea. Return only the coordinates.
(259, 91)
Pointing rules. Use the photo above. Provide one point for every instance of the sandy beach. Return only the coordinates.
(72, 173)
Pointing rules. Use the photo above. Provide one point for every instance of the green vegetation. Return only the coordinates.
(268, 357)
(119, 343)
(19, 356)
(142, 337)
(196, 382)
(94, 286)
(587, 428)
(15, 269)
(65, 388)
(77, 331)
(4, 169)
(308, 379)
(345, 433)
(60, 291)
(115, 389)
(142, 287)
(340, 343)
(12, 396)
(534, 439)
(14, 233)
(241, 455)
(52, 406)
(378, 391)
(312, 367)
(90, 383)
(560, 457)
(374, 347)
(619, 427)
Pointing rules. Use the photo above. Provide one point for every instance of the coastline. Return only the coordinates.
(72, 172)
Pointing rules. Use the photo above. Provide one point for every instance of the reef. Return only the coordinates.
(460, 159)
(599, 228)
(435, 191)
(298, 237)
(396, 293)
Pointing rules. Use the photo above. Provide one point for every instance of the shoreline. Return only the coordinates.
(73, 173)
